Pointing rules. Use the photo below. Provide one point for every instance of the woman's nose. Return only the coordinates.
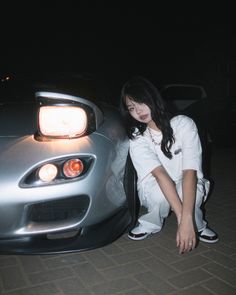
(138, 110)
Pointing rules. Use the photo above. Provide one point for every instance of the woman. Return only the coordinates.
(167, 156)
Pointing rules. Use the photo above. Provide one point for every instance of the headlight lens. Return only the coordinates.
(62, 121)
(73, 168)
(48, 172)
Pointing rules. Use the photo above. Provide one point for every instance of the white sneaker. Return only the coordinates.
(138, 233)
(208, 235)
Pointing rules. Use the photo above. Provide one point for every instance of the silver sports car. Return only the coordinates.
(66, 179)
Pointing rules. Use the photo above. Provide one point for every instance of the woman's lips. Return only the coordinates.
(143, 117)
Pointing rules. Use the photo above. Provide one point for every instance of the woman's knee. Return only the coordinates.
(158, 201)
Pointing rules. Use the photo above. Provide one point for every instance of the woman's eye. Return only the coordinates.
(130, 109)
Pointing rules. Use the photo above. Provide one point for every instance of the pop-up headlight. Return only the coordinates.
(62, 121)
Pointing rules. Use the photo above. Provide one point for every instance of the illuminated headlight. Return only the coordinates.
(62, 121)
(48, 172)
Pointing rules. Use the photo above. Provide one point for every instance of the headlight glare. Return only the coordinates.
(62, 121)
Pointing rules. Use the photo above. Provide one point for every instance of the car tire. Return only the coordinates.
(130, 186)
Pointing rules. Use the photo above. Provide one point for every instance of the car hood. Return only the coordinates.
(18, 119)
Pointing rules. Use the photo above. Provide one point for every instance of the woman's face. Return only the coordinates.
(139, 111)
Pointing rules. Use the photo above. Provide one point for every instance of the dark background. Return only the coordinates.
(167, 43)
(163, 42)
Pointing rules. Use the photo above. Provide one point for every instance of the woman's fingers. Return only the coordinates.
(186, 245)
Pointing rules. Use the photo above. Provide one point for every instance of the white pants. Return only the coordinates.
(158, 208)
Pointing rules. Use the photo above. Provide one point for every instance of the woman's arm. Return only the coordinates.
(189, 186)
(185, 238)
(169, 190)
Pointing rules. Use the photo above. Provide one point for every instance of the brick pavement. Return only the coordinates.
(148, 267)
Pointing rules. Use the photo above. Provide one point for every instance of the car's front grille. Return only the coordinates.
(58, 210)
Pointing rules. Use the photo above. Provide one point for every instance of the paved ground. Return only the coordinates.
(152, 266)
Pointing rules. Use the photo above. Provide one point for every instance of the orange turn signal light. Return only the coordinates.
(73, 168)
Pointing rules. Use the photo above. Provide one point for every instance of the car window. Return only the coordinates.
(182, 96)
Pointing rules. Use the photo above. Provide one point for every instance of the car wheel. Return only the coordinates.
(130, 186)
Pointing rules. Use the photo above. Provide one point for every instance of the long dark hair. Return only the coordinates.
(141, 90)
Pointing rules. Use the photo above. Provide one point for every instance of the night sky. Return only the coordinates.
(164, 43)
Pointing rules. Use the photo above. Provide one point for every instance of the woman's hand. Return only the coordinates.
(185, 236)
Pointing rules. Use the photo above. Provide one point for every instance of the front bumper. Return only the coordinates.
(87, 238)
